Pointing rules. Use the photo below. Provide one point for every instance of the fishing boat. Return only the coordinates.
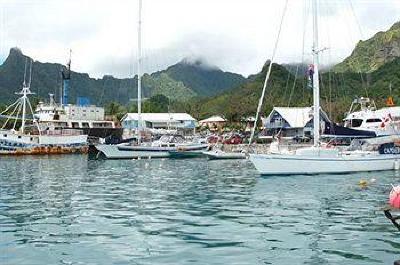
(319, 158)
(29, 139)
(82, 116)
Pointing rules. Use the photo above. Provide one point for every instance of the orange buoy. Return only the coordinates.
(390, 102)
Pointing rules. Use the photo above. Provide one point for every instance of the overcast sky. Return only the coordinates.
(235, 35)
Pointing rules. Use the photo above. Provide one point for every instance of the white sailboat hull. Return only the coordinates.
(113, 152)
(213, 155)
(277, 164)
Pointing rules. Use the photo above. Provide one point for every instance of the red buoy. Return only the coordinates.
(394, 197)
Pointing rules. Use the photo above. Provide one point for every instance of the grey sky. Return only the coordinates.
(235, 35)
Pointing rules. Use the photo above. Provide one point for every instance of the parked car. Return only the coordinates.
(233, 139)
(213, 139)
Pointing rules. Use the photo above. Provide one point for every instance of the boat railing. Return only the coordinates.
(69, 132)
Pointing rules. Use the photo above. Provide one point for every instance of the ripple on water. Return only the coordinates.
(71, 210)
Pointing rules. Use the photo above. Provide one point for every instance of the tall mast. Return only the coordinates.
(316, 74)
(139, 82)
(25, 92)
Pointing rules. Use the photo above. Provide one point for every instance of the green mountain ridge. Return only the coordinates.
(337, 92)
(371, 54)
(181, 82)
(205, 83)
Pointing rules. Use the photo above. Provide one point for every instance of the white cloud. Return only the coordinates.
(236, 35)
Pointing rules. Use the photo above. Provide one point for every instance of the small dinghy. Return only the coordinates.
(219, 154)
(179, 154)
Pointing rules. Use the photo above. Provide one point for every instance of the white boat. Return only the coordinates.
(318, 160)
(82, 116)
(31, 139)
(323, 159)
(219, 155)
(384, 121)
(87, 118)
(156, 149)
(112, 151)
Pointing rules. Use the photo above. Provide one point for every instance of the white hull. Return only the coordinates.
(11, 138)
(113, 152)
(277, 164)
(178, 147)
(213, 155)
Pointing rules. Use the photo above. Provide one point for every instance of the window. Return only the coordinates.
(374, 120)
(4, 135)
(356, 123)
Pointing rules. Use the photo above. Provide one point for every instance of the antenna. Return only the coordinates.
(30, 74)
(69, 62)
(26, 62)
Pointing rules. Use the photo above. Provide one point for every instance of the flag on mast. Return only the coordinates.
(310, 75)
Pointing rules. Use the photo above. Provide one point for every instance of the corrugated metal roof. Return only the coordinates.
(213, 119)
(297, 117)
(160, 117)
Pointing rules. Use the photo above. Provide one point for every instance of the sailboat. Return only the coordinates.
(158, 149)
(30, 139)
(374, 154)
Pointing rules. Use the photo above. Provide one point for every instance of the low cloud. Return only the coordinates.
(234, 35)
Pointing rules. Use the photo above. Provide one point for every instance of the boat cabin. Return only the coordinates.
(363, 115)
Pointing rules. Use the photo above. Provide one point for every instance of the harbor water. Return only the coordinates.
(72, 210)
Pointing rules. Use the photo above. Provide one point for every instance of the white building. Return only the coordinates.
(181, 122)
(213, 123)
(291, 121)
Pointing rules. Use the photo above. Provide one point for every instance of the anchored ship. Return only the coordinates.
(29, 138)
(81, 116)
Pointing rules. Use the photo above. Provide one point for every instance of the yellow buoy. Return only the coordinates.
(363, 183)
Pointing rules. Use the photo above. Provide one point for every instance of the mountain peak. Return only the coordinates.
(371, 54)
(395, 26)
(15, 51)
(198, 62)
(15, 57)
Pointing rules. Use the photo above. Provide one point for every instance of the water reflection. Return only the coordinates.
(68, 209)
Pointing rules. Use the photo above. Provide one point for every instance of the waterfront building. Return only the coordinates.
(179, 122)
(291, 122)
(213, 123)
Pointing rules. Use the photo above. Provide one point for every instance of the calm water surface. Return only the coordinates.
(71, 210)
